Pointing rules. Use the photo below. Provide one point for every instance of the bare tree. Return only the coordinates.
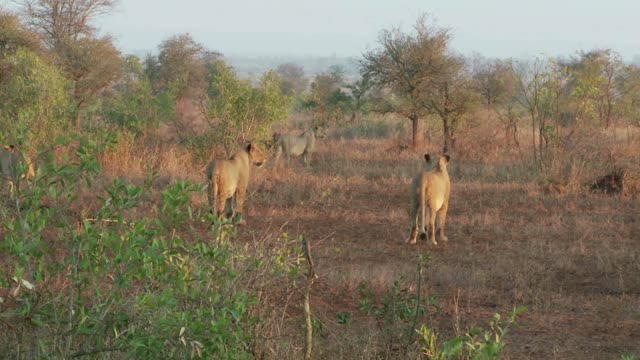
(489, 79)
(496, 84)
(66, 26)
(539, 89)
(359, 90)
(408, 63)
(450, 95)
(60, 20)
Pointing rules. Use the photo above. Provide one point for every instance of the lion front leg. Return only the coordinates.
(219, 206)
(240, 205)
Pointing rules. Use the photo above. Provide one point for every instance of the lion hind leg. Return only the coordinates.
(211, 196)
(239, 196)
(276, 160)
(443, 220)
(432, 227)
(413, 235)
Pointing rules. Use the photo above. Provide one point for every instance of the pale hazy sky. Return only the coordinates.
(494, 28)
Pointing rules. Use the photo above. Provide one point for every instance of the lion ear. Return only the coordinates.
(427, 157)
(446, 156)
(249, 146)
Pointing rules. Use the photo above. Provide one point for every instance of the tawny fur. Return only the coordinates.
(296, 145)
(429, 198)
(11, 162)
(228, 180)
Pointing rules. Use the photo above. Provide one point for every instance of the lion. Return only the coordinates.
(14, 166)
(297, 145)
(430, 192)
(228, 180)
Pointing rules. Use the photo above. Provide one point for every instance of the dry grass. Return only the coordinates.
(571, 256)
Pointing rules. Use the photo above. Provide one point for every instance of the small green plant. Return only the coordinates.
(344, 317)
(475, 344)
(395, 313)
(365, 301)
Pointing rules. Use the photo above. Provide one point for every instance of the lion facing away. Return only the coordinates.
(11, 166)
(430, 193)
(228, 179)
(296, 145)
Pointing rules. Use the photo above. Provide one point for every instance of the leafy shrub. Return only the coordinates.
(121, 282)
(33, 97)
(475, 344)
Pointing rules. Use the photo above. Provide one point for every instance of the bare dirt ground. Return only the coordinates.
(572, 258)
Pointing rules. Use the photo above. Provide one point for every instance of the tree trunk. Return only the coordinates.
(533, 138)
(77, 120)
(609, 114)
(418, 131)
(446, 127)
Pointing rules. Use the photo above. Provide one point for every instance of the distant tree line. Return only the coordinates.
(56, 72)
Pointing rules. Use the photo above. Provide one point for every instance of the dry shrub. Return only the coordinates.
(631, 180)
(189, 122)
(132, 159)
(484, 146)
(587, 157)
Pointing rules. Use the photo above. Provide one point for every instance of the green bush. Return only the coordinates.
(33, 97)
(477, 343)
(126, 280)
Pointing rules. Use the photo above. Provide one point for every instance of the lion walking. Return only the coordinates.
(228, 180)
(296, 145)
(430, 197)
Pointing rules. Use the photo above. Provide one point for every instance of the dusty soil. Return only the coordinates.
(572, 258)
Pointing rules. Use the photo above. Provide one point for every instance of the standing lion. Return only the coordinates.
(430, 193)
(14, 166)
(296, 145)
(228, 180)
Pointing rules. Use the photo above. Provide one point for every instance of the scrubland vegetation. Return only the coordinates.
(111, 252)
